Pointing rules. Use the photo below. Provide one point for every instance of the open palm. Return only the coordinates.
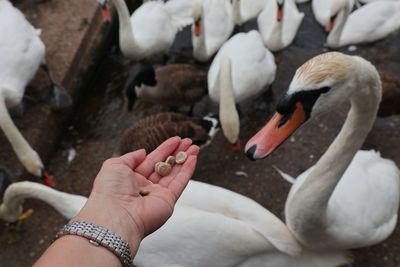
(131, 183)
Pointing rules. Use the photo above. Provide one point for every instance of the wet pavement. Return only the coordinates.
(100, 120)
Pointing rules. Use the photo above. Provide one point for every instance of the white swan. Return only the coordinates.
(212, 27)
(321, 10)
(369, 23)
(21, 53)
(350, 198)
(244, 10)
(242, 69)
(210, 226)
(278, 23)
(152, 27)
(370, 1)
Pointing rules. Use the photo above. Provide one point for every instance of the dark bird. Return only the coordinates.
(173, 85)
(151, 131)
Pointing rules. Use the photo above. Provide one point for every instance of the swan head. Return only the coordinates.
(336, 7)
(7, 213)
(34, 166)
(197, 16)
(105, 11)
(145, 78)
(319, 85)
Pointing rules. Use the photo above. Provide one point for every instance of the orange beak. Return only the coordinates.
(273, 134)
(105, 14)
(279, 14)
(197, 28)
(329, 25)
(48, 180)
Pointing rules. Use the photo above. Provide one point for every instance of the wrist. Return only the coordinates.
(105, 213)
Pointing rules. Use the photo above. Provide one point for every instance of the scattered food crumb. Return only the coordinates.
(241, 173)
(352, 48)
(71, 155)
(292, 139)
(311, 156)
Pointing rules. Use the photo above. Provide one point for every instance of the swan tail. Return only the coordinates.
(285, 176)
(180, 12)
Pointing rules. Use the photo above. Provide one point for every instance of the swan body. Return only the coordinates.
(369, 23)
(248, 69)
(244, 10)
(213, 26)
(350, 198)
(173, 85)
(211, 226)
(278, 32)
(321, 10)
(151, 131)
(152, 27)
(21, 54)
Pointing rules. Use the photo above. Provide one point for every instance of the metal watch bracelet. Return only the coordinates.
(100, 236)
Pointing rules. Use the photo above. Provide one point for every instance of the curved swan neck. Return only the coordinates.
(17, 141)
(127, 41)
(311, 200)
(16, 194)
(199, 42)
(333, 39)
(228, 114)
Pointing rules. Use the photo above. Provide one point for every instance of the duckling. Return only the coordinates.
(173, 85)
(390, 95)
(151, 131)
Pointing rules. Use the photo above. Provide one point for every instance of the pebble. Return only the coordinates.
(163, 168)
(170, 160)
(181, 157)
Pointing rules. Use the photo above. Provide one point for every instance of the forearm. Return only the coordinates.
(72, 250)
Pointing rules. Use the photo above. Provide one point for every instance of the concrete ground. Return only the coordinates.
(99, 121)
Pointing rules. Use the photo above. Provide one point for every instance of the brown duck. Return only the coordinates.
(151, 131)
(173, 85)
(390, 104)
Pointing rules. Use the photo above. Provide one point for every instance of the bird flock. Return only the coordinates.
(349, 199)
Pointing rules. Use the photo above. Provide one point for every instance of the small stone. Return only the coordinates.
(163, 168)
(181, 157)
(170, 160)
(144, 191)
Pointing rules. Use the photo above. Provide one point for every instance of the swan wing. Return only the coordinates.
(214, 199)
(363, 208)
(371, 22)
(218, 23)
(152, 27)
(253, 66)
(21, 50)
(180, 12)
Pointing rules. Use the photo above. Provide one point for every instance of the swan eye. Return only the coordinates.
(333, 17)
(287, 104)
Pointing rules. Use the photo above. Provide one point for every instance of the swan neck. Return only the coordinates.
(126, 38)
(16, 194)
(229, 116)
(311, 199)
(17, 141)
(199, 42)
(334, 36)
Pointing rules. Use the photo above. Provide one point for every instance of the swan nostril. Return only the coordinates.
(250, 152)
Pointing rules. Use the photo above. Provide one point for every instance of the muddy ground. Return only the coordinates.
(100, 119)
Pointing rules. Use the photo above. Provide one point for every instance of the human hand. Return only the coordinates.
(116, 201)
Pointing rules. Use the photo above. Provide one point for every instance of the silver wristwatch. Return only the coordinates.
(100, 236)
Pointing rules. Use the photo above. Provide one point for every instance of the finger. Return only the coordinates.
(159, 154)
(185, 144)
(190, 150)
(178, 184)
(133, 159)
